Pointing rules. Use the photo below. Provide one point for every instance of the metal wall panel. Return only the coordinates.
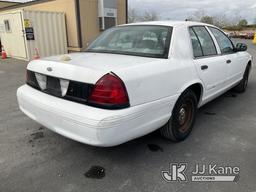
(49, 30)
(112, 4)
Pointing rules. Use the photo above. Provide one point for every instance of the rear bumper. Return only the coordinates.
(93, 126)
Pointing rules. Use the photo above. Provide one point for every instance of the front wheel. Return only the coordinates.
(183, 117)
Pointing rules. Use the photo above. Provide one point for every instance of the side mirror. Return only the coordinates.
(241, 47)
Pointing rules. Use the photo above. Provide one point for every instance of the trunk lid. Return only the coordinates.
(86, 67)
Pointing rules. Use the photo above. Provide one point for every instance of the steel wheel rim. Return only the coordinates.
(185, 116)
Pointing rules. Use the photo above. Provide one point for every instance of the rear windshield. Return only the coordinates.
(146, 41)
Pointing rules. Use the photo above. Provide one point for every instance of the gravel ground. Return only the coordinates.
(33, 158)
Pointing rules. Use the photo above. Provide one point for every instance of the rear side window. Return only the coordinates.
(205, 41)
(224, 42)
(195, 44)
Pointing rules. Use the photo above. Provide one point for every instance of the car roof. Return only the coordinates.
(169, 23)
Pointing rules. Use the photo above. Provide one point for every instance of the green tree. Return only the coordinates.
(207, 19)
(133, 15)
(243, 22)
(150, 16)
(197, 15)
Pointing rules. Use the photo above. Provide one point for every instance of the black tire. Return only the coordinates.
(242, 86)
(183, 117)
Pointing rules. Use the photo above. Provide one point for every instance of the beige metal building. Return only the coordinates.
(24, 32)
(85, 19)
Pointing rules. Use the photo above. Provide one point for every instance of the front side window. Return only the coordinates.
(148, 41)
(205, 41)
(224, 42)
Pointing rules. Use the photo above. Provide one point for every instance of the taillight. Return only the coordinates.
(109, 92)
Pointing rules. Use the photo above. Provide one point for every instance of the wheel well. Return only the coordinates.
(197, 89)
(250, 64)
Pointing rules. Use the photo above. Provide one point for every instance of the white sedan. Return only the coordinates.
(134, 79)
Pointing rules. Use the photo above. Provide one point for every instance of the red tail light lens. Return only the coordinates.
(109, 92)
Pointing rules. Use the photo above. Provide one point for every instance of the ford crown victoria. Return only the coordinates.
(134, 79)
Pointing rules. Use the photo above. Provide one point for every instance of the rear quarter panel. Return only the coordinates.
(157, 80)
(162, 78)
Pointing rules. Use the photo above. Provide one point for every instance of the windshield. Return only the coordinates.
(147, 41)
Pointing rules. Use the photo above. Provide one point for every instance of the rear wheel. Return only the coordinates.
(242, 86)
(183, 117)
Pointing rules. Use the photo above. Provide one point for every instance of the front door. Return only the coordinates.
(234, 60)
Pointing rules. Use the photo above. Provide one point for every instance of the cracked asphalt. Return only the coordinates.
(32, 158)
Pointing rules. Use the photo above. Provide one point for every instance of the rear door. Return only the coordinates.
(211, 67)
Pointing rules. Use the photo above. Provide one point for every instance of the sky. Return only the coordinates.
(182, 9)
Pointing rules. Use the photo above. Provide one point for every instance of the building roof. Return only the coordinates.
(16, 1)
(9, 3)
(4, 4)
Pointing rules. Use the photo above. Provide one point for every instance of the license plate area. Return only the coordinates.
(62, 88)
(53, 86)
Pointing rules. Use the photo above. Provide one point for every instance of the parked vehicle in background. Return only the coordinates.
(135, 79)
(242, 35)
(231, 34)
(249, 35)
(228, 34)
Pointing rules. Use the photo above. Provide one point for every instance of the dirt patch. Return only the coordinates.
(95, 172)
(209, 113)
(155, 148)
(37, 135)
(230, 94)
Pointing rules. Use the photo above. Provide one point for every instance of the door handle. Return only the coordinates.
(228, 61)
(204, 67)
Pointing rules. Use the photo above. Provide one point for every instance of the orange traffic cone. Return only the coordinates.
(4, 55)
(36, 55)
